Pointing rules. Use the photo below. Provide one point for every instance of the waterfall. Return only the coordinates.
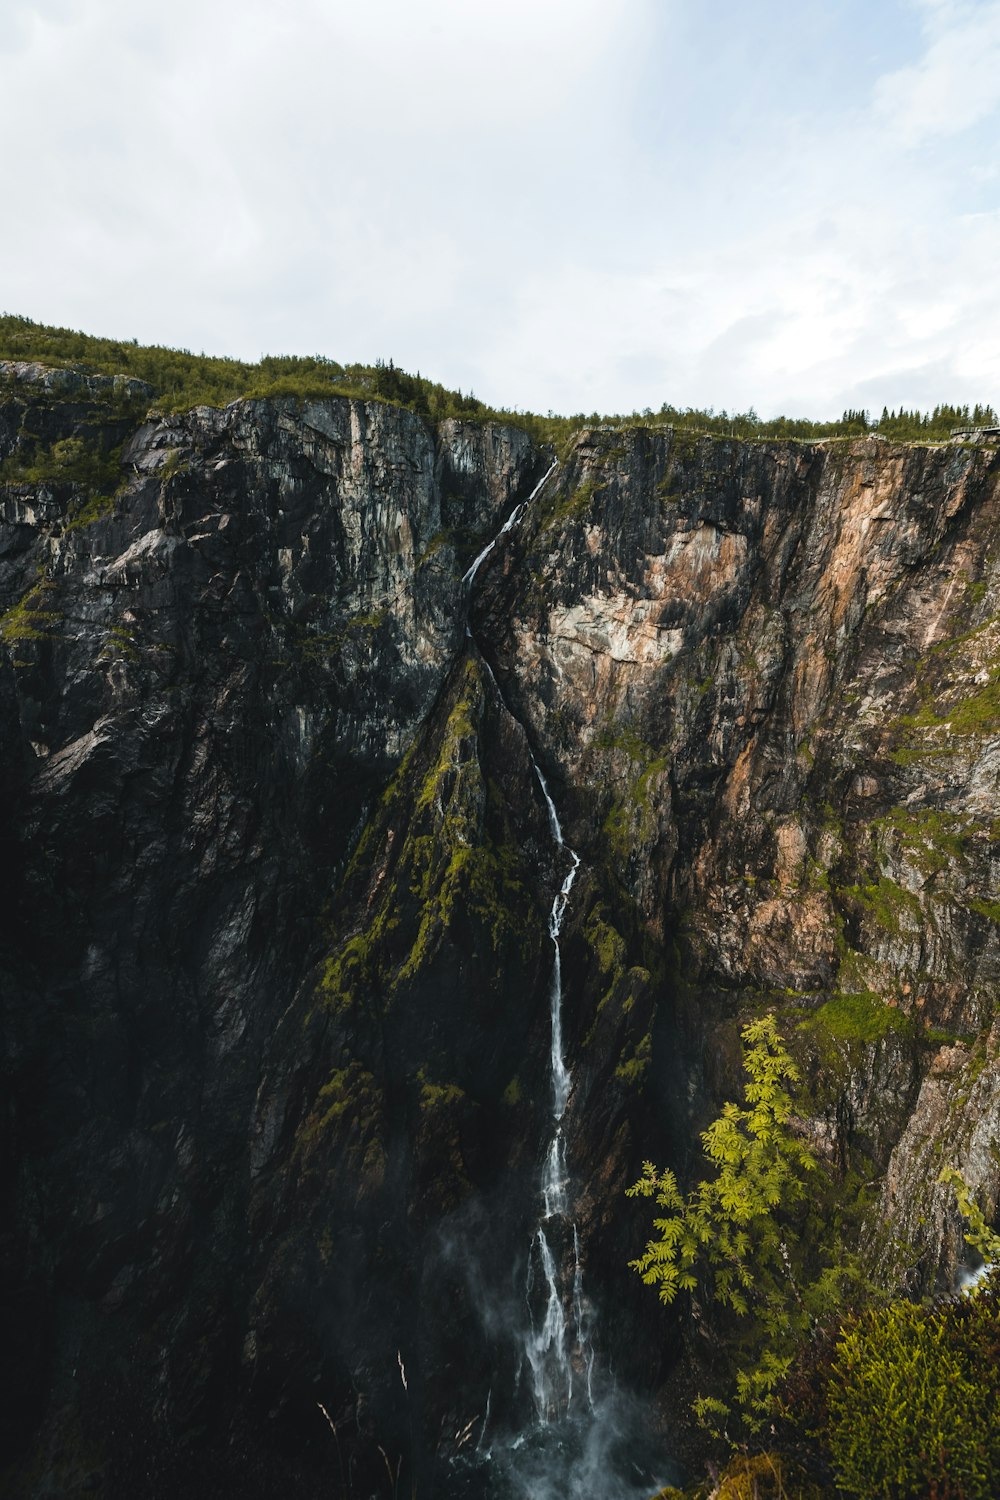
(589, 1440)
(555, 1343)
(508, 525)
(967, 1280)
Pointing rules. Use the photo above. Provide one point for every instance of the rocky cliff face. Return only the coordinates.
(768, 680)
(277, 873)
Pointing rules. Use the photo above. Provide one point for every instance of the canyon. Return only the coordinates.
(288, 803)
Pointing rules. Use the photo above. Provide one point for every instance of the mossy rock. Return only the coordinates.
(862, 1017)
(30, 619)
(573, 505)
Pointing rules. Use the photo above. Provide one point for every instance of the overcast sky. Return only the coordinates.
(560, 204)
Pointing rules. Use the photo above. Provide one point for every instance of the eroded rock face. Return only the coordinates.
(207, 686)
(955, 1121)
(764, 678)
(277, 874)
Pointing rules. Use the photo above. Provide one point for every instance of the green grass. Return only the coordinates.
(976, 714)
(574, 504)
(988, 909)
(929, 729)
(625, 739)
(633, 811)
(929, 837)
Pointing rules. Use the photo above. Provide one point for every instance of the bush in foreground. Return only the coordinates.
(913, 1400)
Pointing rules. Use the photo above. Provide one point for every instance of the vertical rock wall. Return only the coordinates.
(276, 875)
(764, 679)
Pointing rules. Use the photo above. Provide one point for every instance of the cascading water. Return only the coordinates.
(508, 525)
(556, 1344)
(585, 1443)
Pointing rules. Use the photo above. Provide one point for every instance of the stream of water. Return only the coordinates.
(588, 1440)
(556, 1343)
(511, 521)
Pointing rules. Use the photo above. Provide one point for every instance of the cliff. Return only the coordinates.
(277, 874)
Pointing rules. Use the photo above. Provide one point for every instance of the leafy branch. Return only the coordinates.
(979, 1235)
(726, 1232)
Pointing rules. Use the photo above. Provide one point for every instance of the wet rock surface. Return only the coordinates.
(277, 872)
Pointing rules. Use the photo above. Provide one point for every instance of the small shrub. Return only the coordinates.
(913, 1401)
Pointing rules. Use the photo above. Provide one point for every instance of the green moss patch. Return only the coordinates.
(632, 814)
(438, 1095)
(861, 1017)
(930, 838)
(349, 1091)
(947, 711)
(29, 619)
(513, 1093)
(890, 905)
(574, 504)
(458, 865)
(632, 1069)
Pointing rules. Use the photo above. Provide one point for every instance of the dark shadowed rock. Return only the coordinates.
(276, 875)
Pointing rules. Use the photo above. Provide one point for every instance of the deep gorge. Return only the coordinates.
(276, 954)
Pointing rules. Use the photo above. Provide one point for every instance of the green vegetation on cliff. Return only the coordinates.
(67, 461)
(180, 379)
(883, 1398)
(29, 619)
(736, 1236)
(449, 869)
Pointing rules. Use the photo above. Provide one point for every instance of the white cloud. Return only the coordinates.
(560, 203)
(956, 83)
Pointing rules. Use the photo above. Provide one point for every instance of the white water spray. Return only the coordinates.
(967, 1280)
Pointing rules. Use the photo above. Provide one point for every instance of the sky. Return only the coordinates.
(565, 205)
